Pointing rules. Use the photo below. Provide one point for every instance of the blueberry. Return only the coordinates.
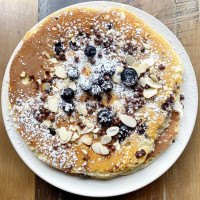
(68, 107)
(108, 70)
(95, 90)
(58, 48)
(107, 86)
(97, 78)
(85, 83)
(67, 94)
(129, 76)
(90, 51)
(72, 72)
(104, 117)
(124, 131)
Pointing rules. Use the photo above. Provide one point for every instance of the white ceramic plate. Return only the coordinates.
(124, 184)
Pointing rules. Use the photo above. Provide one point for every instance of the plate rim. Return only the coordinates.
(4, 109)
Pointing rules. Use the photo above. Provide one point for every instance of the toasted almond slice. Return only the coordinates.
(106, 139)
(25, 80)
(53, 60)
(112, 131)
(96, 147)
(47, 123)
(178, 107)
(148, 93)
(82, 110)
(120, 70)
(116, 78)
(128, 120)
(117, 145)
(87, 141)
(146, 46)
(149, 61)
(46, 54)
(72, 85)
(52, 103)
(154, 78)
(60, 72)
(95, 136)
(74, 137)
(130, 60)
(65, 135)
(46, 86)
(88, 128)
(62, 84)
(148, 81)
(120, 44)
(104, 150)
(23, 74)
(96, 130)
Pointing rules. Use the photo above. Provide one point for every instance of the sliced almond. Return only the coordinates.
(53, 60)
(96, 130)
(75, 137)
(148, 93)
(46, 86)
(72, 85)
(95, 136)
(149, 61)
(100, 149)
(106, 139)
(178, 107)
(65, 135)
(104, 150)
(46, 54)
(128, 120)
(148, 81)
(82, 110)
(116, 78)
(146, 46)
(87, 141)
(154, 78)
(112, 131)
(130, 60)
(120, 70)
(25, 80)
(62, 84)
(47, 123)
(117, 145)
(52, 103)
(89, 127)
(60, 72)
(71, 119)
(120, 44)
(73, 40)
(23, 74)
(96, 147)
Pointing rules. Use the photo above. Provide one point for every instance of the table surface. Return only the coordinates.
(181, 181)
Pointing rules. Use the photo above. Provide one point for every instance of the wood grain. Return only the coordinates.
(17, 181)
(181, 181)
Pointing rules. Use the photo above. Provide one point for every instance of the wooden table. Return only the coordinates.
(182, 181)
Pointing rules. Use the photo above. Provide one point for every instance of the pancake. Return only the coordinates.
(92, 91)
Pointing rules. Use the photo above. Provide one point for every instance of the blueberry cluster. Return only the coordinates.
(99, 81)
(68, 95)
